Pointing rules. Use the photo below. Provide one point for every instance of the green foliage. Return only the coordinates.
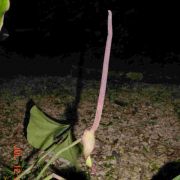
(7, 172)
(4, 6)
(70, 154)
(43, 132)
(135, 76)
(177, 178)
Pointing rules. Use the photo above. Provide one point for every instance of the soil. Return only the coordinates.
(138, 135)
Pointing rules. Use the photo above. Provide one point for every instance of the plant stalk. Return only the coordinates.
(56, 156)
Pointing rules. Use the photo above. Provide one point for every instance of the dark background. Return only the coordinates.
(51, 36)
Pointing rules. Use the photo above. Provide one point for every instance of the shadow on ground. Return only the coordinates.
(168, 171)
(70, 173)
(71, 117)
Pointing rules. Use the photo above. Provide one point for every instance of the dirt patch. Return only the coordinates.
(138, 133)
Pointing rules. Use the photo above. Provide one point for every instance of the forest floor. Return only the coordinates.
(138, 135)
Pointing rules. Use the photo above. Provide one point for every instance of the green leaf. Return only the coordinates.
(71, 154)
(177, 178)
(4, 6)
(89, 162)
(42, 132)
(7, 171)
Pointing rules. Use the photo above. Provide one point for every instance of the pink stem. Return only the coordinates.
(104, 75)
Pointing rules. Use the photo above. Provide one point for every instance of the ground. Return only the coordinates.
(138, 133)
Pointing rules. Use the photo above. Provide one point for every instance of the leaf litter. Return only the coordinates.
(138, 134)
